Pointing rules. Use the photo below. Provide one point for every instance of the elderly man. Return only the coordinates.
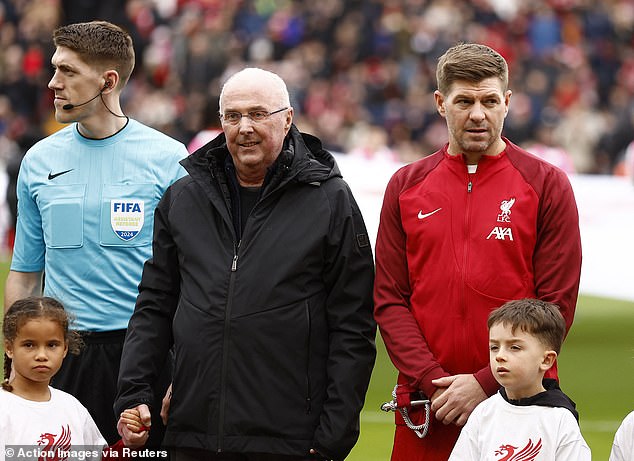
(261, 279)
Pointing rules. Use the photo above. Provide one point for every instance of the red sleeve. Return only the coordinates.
(403, 338)
(114, 451)
(557, 256)
(486, 380)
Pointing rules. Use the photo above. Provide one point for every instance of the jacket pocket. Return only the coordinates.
(308, 337)
(197, 368)
(63, 215)
(276, 382)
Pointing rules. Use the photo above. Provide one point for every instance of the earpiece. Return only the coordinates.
(72, 106)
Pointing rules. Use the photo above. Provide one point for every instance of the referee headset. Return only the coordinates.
(72, 106)
(98, 95)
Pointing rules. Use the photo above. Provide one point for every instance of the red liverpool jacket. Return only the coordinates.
(452, 246)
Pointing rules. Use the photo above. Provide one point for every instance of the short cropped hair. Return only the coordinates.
(535, 317)
(470, 62)
(100, 44)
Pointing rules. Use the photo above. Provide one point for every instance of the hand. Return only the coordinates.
(165, 404)
(455, 398)
(134, 426)
(132, 419)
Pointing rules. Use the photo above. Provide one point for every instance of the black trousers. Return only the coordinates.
(92, 376)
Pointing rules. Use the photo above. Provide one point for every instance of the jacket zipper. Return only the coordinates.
(225, 341)
(465, 249)
(225, 349)
(308, 335)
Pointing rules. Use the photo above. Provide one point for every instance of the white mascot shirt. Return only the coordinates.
(500, 431)
(59, 424)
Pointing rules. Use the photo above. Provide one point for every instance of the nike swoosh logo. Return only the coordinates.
(426, 215)
(53, 176)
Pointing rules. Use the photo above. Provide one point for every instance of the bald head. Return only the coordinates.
(252, 77)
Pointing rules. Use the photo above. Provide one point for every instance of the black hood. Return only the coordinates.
(553, 396)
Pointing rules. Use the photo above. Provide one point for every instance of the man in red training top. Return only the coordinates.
(476, 224)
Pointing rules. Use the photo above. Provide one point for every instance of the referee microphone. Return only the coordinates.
(106, 85)
(72, 106)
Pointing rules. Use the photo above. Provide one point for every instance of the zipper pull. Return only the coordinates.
(469, 186)
(234, 263)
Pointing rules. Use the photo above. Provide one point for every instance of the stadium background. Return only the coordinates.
(361, 76)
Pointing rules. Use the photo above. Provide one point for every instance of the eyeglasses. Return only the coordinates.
(233, 118)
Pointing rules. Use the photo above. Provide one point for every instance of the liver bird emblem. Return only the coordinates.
(55, 446)
(505, 208)
(528, 453)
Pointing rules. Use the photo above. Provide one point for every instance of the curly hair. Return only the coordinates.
(36, 307)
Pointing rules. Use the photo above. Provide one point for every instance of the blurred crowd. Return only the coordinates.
(360, 72)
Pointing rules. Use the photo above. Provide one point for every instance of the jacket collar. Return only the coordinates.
(303, 159)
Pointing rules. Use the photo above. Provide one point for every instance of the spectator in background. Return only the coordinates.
(357, 62)
(545, 146)
(86, 200)
(477, 223)
(25, 142)
(211, 123)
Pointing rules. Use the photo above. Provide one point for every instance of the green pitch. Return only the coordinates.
(596, 371)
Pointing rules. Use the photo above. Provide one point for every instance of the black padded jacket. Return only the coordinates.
(272, 330)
